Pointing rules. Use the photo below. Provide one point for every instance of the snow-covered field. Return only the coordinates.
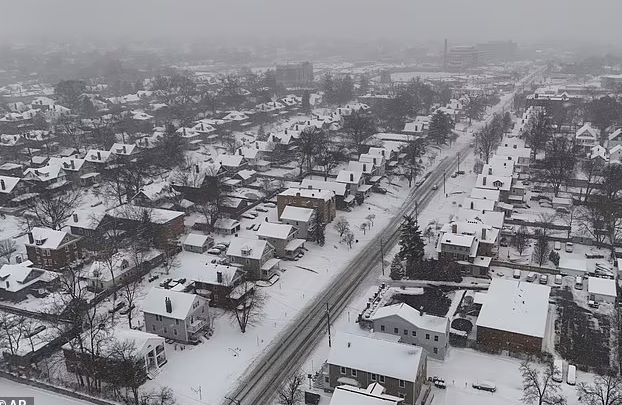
(10, 388)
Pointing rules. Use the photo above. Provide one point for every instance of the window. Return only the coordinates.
(427, 336)
(396, 330)
(436, 350)
(402, 383)
(176, 321)
(414, 333)
(342, 370)
(381, 378)
(175, 332)
(381, 328)
(373, 377)
(165, 331)
(353, 372)
(153, 328)
(405, 332)
(436, 338)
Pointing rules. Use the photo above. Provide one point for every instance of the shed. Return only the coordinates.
(197, 243)
(226, 226)
(572, 267)
(601, 289)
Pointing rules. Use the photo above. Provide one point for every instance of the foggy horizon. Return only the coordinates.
(480, 20)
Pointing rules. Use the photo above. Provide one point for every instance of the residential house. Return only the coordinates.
(10, 188)
(586, 137)
(257, 257)
(379, 163)
(86, 223)
(157, 194)
(343, 197)
(301, 218)
(360, 361)
(167, 224)
(73, 168)
(125, 152)
(223, 285)
(149, 351)
(353, 181)
(231, 163)
(615, 154)
(414, 327)
(283, 237)
(494, 182)
(470, 244)
(102, 276)
(246, 177)
(197, 243)
(11, 144)
(374, 394)
(98, 160)
(11, 169)
(52, 250)
(599, 155)
(46, 179)
(615, 138)
(369, 170)
(227, 226)
(19, 280)
(419, 127)
(176, 315)
(323, 201)
(602, 290)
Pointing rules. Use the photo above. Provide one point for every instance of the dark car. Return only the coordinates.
(117, 307)
(380, 190)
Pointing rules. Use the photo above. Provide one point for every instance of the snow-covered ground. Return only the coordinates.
(10, 388)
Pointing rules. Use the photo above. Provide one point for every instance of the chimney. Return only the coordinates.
(219, 277)
(364, 167)
(7, 286)
(484, 181)
(351, 177)
(168, 304)
(196, 168)
(2, 185)
(99, 155)
(490, 171)
(75, 217)
(256, 145)
(297, 194)
(124, 150)
(31, 238)
(483, 233)
(454, 228)
(421, 311)
(240, 152)
(472, 204)
(73, 166)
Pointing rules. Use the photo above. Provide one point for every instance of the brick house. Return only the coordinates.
(323, 201)
(218, 283)
(52, 250)
(360, 361)
(176, 315)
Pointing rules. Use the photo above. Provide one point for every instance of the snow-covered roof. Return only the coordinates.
(8, 183)
(372, 395)
(195, 239)
(479, 204)
(586, 131)
(457, 240)
(325, 195)
(485, 233)
(143, 342)
(250, 248)
(46, 173)
(349, 177)
(364, 167)
(492, 218)
(601, 286)
(157, 190)
(570, 263)
(134, 212)
(300, 214)
(246, 174)
(337, 188)
(615, 134)
(395, 360)
(101, 271)
(16, 277)
(499, 167)
(515, 306)
(229, 160)
(46, 238)
(273, 230)
(67, 163)
(97, 156)
(485, 194)
(123, 149)
(154, 303)
(493, 182)
(226, 223)
(419, 319)
(87, 219)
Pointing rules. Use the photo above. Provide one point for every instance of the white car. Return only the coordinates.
(485, 386)
(569, 247)
(248, 215)
(270, 205)
(435, 187)
(213, 251)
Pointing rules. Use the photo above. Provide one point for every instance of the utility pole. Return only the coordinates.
(458, 162)
(444, 173)
(382, 255)
(198, 391)
(328, 322)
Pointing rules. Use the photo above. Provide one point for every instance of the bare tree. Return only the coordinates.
(487, 140)
(54, 210)
(171, 261)
(129, 372)
(129, 293)
(590, 169)
(559, 163)
(210, 212)
(30, 328)
(539, 387)
(538, 132)
(605, 390)
(328, 160)
(251, 310)
(364, 226)
(359, 127)
(370, 218)
(521, 239)
(541, 247)
(342, 226)
(290, 393)
(7, 248)
(311, 143)
(348, 238)
(161, 396)
(428, 234)
(11, 332)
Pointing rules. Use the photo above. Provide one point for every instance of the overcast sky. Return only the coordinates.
(458, 20)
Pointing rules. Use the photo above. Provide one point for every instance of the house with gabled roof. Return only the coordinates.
(301, 218)
(283, 237)
(19, 280)
(322, 200)
(615, 138)
(10, 187)
(343, 197)
(255, 255)
(615, 154)
(124, 151)
(46, 179)
(52, 250)
(73, 167)
(98, 159)
(586, 137)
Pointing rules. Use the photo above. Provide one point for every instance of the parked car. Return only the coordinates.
(256, 227)
(213, 251)
(516, 273)
(485, 386)
(504, 242)
(531, 276)
(117, 307)
(249, 215)
(269, 205)
(558, 279)
(454, 175)
(594, 255)
(165, 283)
(251, 226)
(440, 384)
(558, 245)
(569, 247)
(261, 209)
(593, 304)
(544, 279)
(380, 190)
(220, 246)
(127, 310)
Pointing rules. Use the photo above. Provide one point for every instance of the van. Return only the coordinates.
(558, 371)
(578, 283)
(571, 378)
(558, 279)
(531, 276)
(558, 245)
(516, 273)
(569, 247)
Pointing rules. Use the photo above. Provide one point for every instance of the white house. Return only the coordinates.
(586, 137)
(602, 290)
(300, 217)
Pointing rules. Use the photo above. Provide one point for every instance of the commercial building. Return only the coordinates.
(295, 74)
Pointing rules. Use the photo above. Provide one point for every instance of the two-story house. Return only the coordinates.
(353, 180)
(471, 244)
(614, 139)
(99, 160)
(257, 257)
(74, 168)
(10, 188)
(46, 179)
(176, 315)
(378, 161)
(19, 280)
(283, 237)
(343, 197)
(322, 201)
(360, 361)
(586, 137)
(125, 152)
(495, 182)
(414, 327)
(218, 282)
(52, 250)
(302, 218)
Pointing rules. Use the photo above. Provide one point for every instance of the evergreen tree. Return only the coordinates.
(398, 271)
(306, 101)
(440, 127)
(261, 133)
(507, 122)
(411, 241)
(319, 230)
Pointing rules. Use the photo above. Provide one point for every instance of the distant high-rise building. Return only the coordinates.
(497, 51)
(294, 74)
(461, 57)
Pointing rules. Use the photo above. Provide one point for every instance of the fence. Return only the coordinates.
(525, 267)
